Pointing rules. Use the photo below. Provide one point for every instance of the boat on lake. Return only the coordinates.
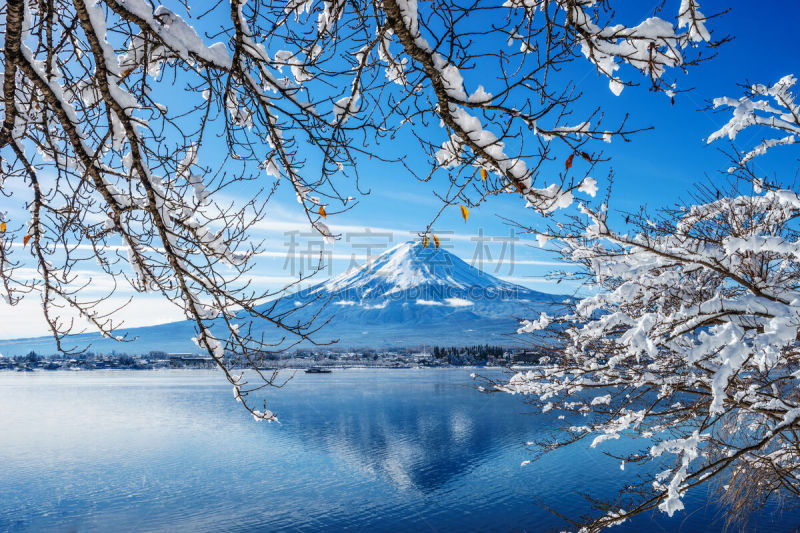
(317, 370)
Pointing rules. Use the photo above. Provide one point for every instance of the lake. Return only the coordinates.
(356, 450)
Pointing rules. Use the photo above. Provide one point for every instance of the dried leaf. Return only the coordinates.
(25, 240)
(425, 242)
(2, 227)
(586, 156)
(568, 163)
(436, 241)
(484, 174)
(322, 212)
(464, 213)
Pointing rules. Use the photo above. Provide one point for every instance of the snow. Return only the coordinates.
(345, 107)
(458, 302)
(395, 69)
(480, 96)
(652, 46)
(687, 450)
(529, 326)
(181, 37)
(782, 113)
(588, 186)
(542, 239)
(601, 400)
(689, 16)
(332, 11)
(407, 266)
(452, 302)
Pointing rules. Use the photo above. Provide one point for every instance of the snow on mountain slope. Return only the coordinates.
(408, 266)
(408, 296)
(412, 295)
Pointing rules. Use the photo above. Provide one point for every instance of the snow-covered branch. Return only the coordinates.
(772, 107)
(490, 130)
(689, 342)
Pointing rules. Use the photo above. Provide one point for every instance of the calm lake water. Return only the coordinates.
(358, 450)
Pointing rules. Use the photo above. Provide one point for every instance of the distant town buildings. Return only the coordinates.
(428, 356)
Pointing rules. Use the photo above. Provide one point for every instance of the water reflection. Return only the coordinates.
(420, 436)
(355, 451)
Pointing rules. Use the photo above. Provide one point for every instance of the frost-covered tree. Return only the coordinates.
(125, 122)
(689, 345)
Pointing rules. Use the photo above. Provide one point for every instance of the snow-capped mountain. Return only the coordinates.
(410, 295)
(412, 267)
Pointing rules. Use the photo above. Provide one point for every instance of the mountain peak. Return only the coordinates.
(411, 266)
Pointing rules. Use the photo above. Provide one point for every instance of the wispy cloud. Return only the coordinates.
(26, 319)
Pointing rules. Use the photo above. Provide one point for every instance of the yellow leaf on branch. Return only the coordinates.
(436, 241)
(322, 212)
(425, 242)
(484, 174)
(464, 213)
(25, 240)
(2, 227)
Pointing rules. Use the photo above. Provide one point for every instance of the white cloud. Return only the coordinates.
(26, 319)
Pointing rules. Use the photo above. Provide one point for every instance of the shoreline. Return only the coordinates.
(300, 369)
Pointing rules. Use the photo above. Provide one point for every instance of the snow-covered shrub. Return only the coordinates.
(690, 338)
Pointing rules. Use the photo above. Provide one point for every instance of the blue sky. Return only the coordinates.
(656, 168)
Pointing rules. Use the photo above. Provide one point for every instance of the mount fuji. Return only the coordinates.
(408, 296)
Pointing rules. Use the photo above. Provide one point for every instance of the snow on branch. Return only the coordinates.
(689, 338)
(487, 129)
(773, 107)
(690, 341)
